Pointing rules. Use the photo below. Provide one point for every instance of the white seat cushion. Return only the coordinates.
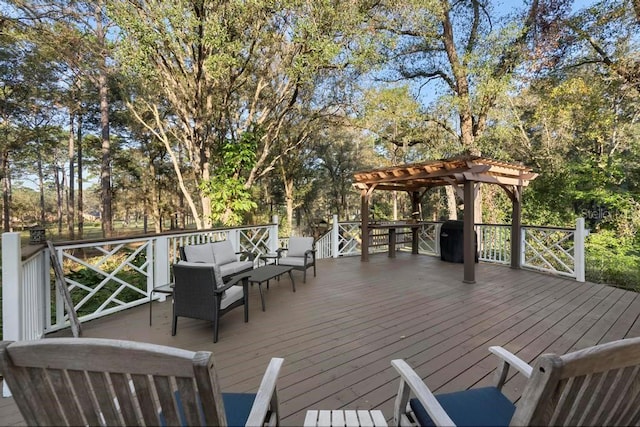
(295, 261)
(231, 295)
(299, 245)
(199, 253)
(235, 267)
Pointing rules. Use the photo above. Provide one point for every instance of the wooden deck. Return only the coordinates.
(340, 330)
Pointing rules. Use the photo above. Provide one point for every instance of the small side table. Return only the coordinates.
(347, 418)
(270, 256)
(162, 289)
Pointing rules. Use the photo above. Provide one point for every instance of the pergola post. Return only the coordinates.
(415, 207)
(469, 240)
(364, 217)
(516, 226)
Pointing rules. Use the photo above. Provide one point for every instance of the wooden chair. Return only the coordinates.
(300, 254)
(200, 293)
(596, 386)
(88, 381)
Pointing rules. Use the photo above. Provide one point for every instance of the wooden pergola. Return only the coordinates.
(464, 174)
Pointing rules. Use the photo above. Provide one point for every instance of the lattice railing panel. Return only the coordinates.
(428, 239)
(349, 242)
(549, 249)
(254, 239)
(105, 278)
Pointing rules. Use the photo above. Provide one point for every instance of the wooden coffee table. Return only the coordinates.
(264, 274)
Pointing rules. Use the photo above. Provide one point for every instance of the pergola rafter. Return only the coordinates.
(461, 172)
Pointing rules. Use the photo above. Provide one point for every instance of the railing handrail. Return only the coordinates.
(170, 233)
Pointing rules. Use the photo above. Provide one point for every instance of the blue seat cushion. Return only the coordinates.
(485, 406)
(237, 407)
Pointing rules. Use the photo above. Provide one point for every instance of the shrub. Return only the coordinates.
(613, 260)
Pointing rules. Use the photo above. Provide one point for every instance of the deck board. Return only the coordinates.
(339, 331)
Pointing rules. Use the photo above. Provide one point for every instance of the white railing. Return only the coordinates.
(24, 308)
(555, 250)
(323, 246)
(26, 293)
(34, 273)
(105, 277)
(429, 238)
(102, 277)
(494, 243)
(109, 276)
(349, 238)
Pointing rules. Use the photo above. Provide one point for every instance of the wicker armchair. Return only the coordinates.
(200, 293)
(300, 254)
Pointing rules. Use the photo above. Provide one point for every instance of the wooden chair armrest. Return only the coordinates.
(267, 396)
(409, 380)
(508, 359)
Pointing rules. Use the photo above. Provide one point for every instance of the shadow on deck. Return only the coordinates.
(340, 330)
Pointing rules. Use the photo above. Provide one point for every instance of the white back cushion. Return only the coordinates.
(299, 245)
(216, 270)
(199, 253)
(223, 252)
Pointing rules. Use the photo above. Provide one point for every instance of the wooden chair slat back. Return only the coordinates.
(66, 398)
(69, 381)
(598, 385)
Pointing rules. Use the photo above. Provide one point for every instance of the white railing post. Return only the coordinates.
(11, 291)
(161, 264)
(523, 247)
(578, 255)
(234, 238)
(273, 234)
(335, 237)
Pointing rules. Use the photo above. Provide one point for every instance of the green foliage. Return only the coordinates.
(230, 198)
(613, 260)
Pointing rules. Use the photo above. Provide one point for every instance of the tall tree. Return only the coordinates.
(77, 30)
(453, 49)
(27, 110)
(605, 33)
(12, 96)
(226, 70)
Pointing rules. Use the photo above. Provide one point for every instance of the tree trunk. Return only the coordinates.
(395, 205)
(155, 203)
(58, 186)
(288, 196)
(71, 201)
(205, 199)
(41, 186)
(465, 115)
(6, 193)
(80, 177)
(452, 202)
(105, 170)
